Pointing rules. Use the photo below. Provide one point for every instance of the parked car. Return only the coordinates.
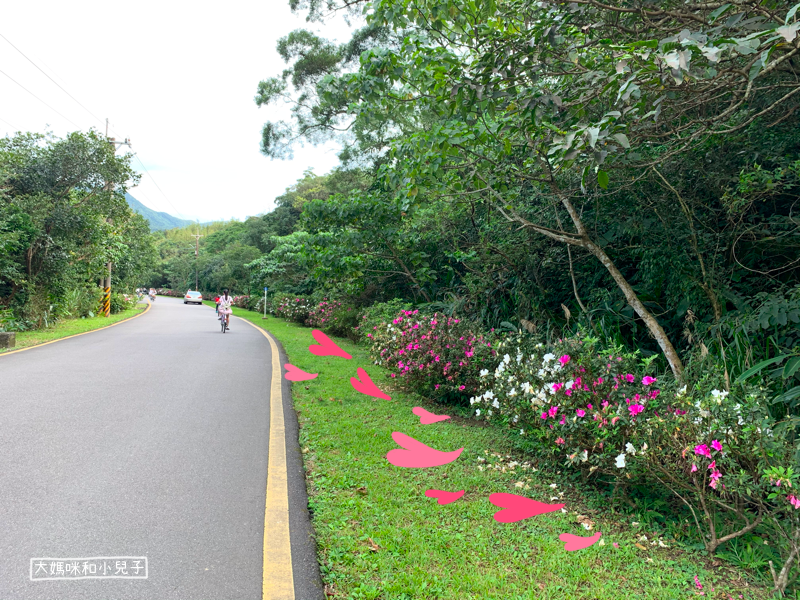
(193, 297)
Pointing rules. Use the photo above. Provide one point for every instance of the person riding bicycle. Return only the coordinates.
(216, 301)
(152, 295)
(225, 302)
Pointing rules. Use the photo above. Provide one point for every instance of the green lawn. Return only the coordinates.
(63, 329)
(380, 537)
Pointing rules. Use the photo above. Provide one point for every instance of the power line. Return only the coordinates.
(10, 125)
(50, 78)
(39, 99)
(177, 212)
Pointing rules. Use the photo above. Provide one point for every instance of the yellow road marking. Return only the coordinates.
(77, 334)
(278, 583)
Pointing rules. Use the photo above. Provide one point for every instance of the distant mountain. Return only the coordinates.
(158, 220)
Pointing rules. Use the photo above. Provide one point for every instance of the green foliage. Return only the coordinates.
(63, 217)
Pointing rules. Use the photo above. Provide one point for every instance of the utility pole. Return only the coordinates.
(105, 305)
(196, 237)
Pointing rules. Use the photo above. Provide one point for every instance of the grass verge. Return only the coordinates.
(62, 329)
(379, 537)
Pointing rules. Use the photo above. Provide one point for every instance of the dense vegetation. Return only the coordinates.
(63, 218)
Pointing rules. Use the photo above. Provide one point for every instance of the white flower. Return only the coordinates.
(584, 456)
(484, 372)
(522, 432)
(506, 359)
(519, 358)
(489, 395)
(489, 413)
(477, 412)
(548, 357)
(569, 384)
(554, 485)
(540, 373)
(621, 461)
(682, 391)
(720, 396)
(496, 404)
(516, 418)
(642, 451)
(629, 448)
(472, 401)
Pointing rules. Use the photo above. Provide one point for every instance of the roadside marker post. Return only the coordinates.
(265, 303)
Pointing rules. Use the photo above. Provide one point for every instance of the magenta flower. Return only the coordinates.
(544, 415)
(557, 386)
(793, 501)
(713, 465)
(716, 445)
(630, 378)
(589, 406)
(564, 360)
(702, 450)
(647, 380)
(462, 388)
(694, 468)
(581, 413)
(635, 409)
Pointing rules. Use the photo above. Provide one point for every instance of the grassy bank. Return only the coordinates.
(62, 329)
(380, 538)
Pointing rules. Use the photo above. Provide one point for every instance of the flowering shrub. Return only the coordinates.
(377, 315)
(291, 307)
(579, 402)
(241, 301)
(435, 354)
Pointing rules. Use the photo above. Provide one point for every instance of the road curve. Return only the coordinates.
(149, 439)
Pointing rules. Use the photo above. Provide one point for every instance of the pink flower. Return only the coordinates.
(654, 394)
(793, 501)
(581, 413)
(716, 445)
(561, 422)
(713, 465)
(615, 544)
(436, 387)
(392, 375)
(630, 378)
(614, 420)
(560, 441)
(552, 412)
(647, 380)
(589, 406)
(564, 360)
(635, 409)
(694, 468)
(544, 415)
(462, 388)
(557, 386)
(697, 583)
(702, 450)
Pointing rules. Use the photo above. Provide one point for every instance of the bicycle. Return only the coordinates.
(224, 323)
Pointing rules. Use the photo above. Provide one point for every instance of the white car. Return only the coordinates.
(193, 297)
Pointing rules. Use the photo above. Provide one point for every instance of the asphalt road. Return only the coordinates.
(148, 439)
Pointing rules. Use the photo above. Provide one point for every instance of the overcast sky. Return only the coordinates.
(177, 78)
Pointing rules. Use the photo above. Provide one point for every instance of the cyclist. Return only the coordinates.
(216, 301)
(225, 302)
(152, 295)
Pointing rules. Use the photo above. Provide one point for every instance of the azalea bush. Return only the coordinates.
(292, 307)
(576, 400)
(434, 354)
(335, 316)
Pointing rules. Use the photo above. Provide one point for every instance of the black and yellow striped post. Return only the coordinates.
(105, 304)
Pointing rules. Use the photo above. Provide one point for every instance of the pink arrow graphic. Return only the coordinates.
(417, 455)
(325, 346)
(366, 385)
(516, 508)
(444, 497)
(426, 418)
(295, 374)
(577, 542)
